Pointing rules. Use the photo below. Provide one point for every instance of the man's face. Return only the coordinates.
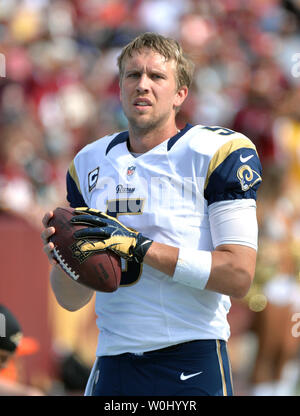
(4, 358)
(149, 92)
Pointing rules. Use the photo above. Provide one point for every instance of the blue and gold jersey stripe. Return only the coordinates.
(74, 176)
(234, 172)
(74, 195)
(225, 151)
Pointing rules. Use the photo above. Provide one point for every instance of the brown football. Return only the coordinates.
(99, 271)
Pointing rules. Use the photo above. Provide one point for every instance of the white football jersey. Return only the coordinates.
(164, 194)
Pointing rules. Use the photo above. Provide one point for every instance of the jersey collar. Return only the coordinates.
(124, 137)
(177, 136)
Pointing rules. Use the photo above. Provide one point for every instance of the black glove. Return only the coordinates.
(110, 234)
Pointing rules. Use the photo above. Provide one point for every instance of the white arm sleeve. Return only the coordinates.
(231, 222)
(234, 222)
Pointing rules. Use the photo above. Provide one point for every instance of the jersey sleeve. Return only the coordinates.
(74, 195)
(234, 172)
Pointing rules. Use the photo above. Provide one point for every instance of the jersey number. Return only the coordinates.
(220, 130)
(132, 270)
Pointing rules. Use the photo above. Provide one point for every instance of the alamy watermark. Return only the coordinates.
(157, 193)
(296, 67)
(2, 66)
(2, 325)
(296, 326)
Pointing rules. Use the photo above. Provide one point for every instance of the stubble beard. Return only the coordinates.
(141, 127)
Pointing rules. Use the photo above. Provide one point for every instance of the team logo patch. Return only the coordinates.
(247, 177)
(120, 189)
(93, 178)
(130, 170)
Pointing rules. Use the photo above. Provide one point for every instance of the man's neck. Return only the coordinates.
(143, 141)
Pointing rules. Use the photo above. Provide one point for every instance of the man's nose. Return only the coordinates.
(143, 83)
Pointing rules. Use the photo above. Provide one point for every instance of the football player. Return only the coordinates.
(12, 345)
(179, 208)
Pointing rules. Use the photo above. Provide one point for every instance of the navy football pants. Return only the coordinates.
(197, 368)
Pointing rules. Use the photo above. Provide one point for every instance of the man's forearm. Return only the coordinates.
(232, 268)
(69, 294)
(162, 257)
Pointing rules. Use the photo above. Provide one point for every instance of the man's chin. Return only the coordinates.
(142, 123)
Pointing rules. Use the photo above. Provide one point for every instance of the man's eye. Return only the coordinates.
(133, 75)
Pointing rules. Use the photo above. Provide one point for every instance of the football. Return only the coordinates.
(99, 271)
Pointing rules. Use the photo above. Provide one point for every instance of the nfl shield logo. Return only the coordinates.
(130, 170)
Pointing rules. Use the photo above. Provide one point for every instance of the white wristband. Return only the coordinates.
(193, 267)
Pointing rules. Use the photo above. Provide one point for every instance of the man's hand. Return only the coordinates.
(110, 234)
(45, 235)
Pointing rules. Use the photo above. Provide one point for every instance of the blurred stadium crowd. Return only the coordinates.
(60, 92)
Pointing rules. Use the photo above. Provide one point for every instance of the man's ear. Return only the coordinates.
(181, 95)
(120, 90)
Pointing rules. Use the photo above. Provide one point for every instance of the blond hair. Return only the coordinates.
(169, 48)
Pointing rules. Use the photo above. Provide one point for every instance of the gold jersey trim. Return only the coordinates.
(224, 151)
(74, 176)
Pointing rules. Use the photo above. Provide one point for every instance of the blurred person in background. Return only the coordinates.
(276, 368)
(13, 344)
(275, 297)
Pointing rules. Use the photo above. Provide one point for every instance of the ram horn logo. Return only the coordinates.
(247, 177)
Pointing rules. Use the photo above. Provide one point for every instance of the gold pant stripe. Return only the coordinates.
(221, 368)
(230, 370)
